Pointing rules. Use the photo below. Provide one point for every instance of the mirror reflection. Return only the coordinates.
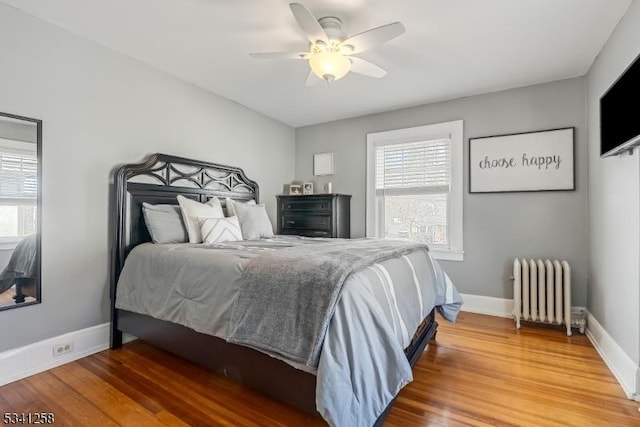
(20, 139)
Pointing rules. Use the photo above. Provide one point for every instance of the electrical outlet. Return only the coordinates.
(60, 349)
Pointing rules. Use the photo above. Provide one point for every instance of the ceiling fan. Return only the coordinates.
(331, 52)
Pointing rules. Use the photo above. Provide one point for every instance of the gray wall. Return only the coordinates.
(101, 109)
(497, 227)
(614, 203)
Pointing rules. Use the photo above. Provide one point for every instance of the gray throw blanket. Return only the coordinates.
(287, 297)
(22, 263)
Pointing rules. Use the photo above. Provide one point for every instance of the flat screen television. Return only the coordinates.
(620, 113)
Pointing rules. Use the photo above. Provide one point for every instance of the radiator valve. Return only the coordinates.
(579, 318)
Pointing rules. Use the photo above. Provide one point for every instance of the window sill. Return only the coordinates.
(447, 254)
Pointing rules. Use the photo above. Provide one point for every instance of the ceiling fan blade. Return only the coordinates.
(280, 55)
(308, 23)
(312, 79)
(372, 38)
(367, 68)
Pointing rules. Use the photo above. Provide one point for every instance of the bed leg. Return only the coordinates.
(19, 296)
(116, 338)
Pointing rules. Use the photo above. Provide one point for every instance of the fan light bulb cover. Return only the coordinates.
(330, 66)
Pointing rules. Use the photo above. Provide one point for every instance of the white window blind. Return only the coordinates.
(415, 187)
(422, 167)
(18, 178)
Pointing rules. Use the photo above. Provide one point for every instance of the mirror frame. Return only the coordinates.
(38, 284)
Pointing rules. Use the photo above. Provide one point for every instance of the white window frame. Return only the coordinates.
(454, 132)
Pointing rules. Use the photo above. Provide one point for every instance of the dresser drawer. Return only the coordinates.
(306, 205)
(306, 233)
(308, 222)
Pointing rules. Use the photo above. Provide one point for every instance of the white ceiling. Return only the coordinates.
(452, 48)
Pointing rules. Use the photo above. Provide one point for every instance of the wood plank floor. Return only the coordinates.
(6, 298)
(478, 372)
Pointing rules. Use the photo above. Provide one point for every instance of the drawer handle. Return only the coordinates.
(288, 206)
(290, 222)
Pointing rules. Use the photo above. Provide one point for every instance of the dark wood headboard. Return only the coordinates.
(158, 180)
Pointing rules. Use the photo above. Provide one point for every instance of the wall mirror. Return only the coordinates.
(20, 210)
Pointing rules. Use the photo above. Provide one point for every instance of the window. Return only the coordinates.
(18, 190)
(414, 187)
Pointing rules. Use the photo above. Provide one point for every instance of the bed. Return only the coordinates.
(159, 180)
(21, 270)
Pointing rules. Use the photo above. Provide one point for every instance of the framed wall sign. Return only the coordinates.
(532, 161)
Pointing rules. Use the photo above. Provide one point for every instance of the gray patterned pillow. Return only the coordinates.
(164, 223)
(218, 230)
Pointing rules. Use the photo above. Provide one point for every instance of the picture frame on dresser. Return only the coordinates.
(307, 188)
(295, 189)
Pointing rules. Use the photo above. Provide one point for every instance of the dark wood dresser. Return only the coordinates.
(315, 215)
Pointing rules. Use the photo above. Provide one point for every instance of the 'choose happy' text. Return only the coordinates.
(541, 162)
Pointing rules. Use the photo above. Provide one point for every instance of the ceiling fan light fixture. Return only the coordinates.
(329, 65)
(330, 49)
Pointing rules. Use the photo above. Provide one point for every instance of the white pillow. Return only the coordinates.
(192, 210)
(254, 221)
(218, 230)
(231, 205)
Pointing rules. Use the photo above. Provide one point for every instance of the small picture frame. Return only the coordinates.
(295, 189)
(307, 188)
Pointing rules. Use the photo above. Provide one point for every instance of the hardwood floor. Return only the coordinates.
(478, 372)
(6, 298)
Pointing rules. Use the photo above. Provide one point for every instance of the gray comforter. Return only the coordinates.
(379, 308)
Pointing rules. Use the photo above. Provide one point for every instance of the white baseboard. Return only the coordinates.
(25, 361)
(500, 307)
(619, 363)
